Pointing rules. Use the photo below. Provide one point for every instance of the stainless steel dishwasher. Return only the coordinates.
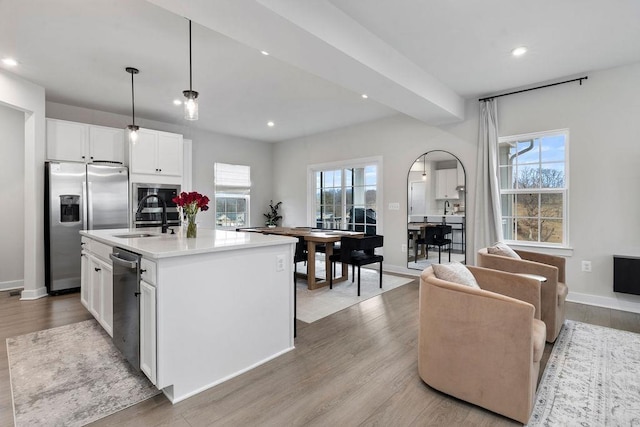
(126, 304)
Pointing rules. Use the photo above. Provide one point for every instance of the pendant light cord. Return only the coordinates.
(190, 64)
(133, 102)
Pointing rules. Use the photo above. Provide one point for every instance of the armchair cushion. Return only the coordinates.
(456, 273)
(502, 249)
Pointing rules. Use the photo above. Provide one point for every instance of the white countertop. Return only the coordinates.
(172, 245)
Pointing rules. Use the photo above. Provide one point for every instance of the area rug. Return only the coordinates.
(71, 375)
(592, 378)
(319, 303)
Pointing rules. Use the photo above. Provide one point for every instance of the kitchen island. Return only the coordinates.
(211, 307)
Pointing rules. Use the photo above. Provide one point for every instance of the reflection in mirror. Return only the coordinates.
(436, 198)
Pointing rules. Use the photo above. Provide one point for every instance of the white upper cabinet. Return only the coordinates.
(144, 153)
(66, 140)
(106, 144)
(80, 142)
(446, 183)
(156, 153)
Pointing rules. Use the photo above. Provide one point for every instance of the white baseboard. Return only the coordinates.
(400, 270)
(629, 303)
(11, 284)
(31, 294)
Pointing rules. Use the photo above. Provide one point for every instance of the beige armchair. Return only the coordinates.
(553, 292)
(484, 345)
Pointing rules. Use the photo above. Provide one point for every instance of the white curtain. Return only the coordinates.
(488, 220)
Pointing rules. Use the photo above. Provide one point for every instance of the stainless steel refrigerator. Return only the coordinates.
(78, 197)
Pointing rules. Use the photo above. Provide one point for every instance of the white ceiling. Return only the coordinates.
(420, 58)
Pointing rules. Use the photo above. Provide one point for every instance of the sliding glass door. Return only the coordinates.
(346, 198)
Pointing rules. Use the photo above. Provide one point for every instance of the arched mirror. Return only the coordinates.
(436, 198)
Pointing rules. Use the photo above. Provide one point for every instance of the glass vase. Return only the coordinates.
(192, 227)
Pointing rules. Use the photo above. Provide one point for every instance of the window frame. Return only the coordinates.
(565, 244)
(227, 192)
(345, 164)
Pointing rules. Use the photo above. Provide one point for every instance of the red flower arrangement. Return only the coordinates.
(190, 204)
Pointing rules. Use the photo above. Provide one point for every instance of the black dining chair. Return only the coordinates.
(358, 251)
(437, 236)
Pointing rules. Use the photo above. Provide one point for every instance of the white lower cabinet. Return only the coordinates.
(148, 330)
(85, 294)
(96, 289)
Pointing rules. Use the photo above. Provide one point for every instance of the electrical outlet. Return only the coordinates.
(586, 266)
(404, 248)
(279, 262)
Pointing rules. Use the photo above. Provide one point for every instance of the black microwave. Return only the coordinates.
(150, 214)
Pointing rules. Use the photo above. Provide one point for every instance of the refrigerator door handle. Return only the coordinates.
(89, 206)
(85, 205)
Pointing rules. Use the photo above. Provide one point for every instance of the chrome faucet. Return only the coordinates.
(165, 224)
(446, 205)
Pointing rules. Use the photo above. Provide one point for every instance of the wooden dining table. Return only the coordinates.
(313, 236)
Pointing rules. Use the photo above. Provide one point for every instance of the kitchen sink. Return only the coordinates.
(133, 235)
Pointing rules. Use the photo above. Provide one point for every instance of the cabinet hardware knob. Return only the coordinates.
(143, 271)
(97, 269)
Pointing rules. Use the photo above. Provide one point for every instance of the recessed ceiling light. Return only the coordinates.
(271, 124)
(177, 102)
(264, 52)
(519, 51)
(365, 96)
(10, 62)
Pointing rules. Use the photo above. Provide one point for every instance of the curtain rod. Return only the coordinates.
(579, 79)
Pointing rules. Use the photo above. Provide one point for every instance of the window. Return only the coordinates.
(533, 187)
(233, 185)
(346, 197)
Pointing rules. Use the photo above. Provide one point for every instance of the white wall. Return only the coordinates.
(29, 98)
(12, 192)
(400, 140)
(207, 149)
(603, 118)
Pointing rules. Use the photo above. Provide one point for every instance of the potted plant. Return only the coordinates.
(272, 215)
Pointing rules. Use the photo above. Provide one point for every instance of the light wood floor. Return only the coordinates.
(356, 367)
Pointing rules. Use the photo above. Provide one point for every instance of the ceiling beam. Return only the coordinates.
(319, 38)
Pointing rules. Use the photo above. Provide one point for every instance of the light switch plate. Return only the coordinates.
(394, 206)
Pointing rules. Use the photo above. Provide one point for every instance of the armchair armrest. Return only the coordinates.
(515, 265)
(556, 261)
(512, 285)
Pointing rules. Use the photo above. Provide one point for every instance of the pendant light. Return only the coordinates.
(424, 167)
(133, 129)
(191, 103)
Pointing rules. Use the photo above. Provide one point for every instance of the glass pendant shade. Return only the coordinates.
(191, 105)
(133, 132)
